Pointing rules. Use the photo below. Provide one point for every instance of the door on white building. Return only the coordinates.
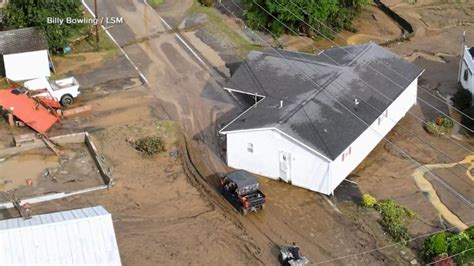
(285, 166)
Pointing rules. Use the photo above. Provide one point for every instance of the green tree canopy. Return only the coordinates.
(317, 14)
(30, 13)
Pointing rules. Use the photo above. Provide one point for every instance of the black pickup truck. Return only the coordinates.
(241, 189)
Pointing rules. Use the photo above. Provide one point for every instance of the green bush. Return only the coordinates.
(440, 126)
(394, 219)
(312, 17)
(462, 99)
(444, 122)
(458, 246)
(368, 201)
(434, 246)
(150, 145)
(207, 2)
(470, 232)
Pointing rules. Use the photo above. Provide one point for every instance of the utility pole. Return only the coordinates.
(96, 26)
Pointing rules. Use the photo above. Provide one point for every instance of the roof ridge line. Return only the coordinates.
(299, 59)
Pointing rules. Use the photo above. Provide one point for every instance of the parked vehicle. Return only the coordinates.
(241, 189)
(291, 255)
(63, 91)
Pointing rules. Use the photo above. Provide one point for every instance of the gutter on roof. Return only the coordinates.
(248, 109)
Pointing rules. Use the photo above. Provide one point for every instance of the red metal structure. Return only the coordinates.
(28, 110)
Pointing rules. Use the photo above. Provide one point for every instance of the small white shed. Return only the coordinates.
(466, 76)
(77, 237)
(24, 54)
(316, 117)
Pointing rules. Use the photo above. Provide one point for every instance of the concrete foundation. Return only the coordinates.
(75, 138)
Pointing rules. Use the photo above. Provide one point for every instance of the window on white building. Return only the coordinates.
(466, 75)
(250, 147)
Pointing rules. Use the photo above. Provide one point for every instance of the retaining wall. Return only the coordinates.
(406, 26)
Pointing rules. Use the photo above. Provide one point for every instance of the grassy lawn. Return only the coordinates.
(88, 45)
(218, 27)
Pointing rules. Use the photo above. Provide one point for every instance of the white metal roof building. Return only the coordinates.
(76, 237)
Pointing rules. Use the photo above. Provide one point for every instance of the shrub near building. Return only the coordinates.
(462, 100)
(456, 247)
(394, 218)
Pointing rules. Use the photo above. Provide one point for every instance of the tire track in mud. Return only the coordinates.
(198, 181)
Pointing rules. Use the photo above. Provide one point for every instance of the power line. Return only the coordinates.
(368, 85)
(319, 21)
(452, 256)
(387, 246)
(344, 49)
(404, 153)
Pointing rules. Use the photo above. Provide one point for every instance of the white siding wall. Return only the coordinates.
(366, 142)
(308, 170)
(26, 66)
(467, 63)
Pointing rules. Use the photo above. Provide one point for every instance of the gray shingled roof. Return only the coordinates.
(22, 40)
(316, 115)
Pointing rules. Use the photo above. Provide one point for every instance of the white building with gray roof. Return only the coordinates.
(317, 116)
(24, 54)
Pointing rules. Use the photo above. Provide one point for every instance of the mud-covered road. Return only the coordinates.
(192, 95)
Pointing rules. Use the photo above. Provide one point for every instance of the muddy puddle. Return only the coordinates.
(15, 171)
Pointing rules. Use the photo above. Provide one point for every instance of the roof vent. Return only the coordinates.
(281, 104)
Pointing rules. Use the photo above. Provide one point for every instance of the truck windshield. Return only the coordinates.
(53, 85)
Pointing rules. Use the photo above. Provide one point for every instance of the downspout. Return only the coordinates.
(462, 55)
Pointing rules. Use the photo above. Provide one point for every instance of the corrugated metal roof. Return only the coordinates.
(78, 237)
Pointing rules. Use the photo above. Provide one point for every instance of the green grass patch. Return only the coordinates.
(218, 27)
(88, 45)
(155, 3)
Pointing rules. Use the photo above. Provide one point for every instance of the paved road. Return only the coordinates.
(188, 92)
(191, 94)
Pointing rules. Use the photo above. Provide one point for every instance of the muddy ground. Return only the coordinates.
(73, 170)
(167, 210)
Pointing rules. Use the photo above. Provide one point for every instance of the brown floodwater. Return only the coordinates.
(16, 170)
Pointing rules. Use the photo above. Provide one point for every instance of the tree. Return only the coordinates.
(31, 13)
(308, 17)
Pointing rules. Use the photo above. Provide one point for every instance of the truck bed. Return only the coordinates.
(67, 82)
